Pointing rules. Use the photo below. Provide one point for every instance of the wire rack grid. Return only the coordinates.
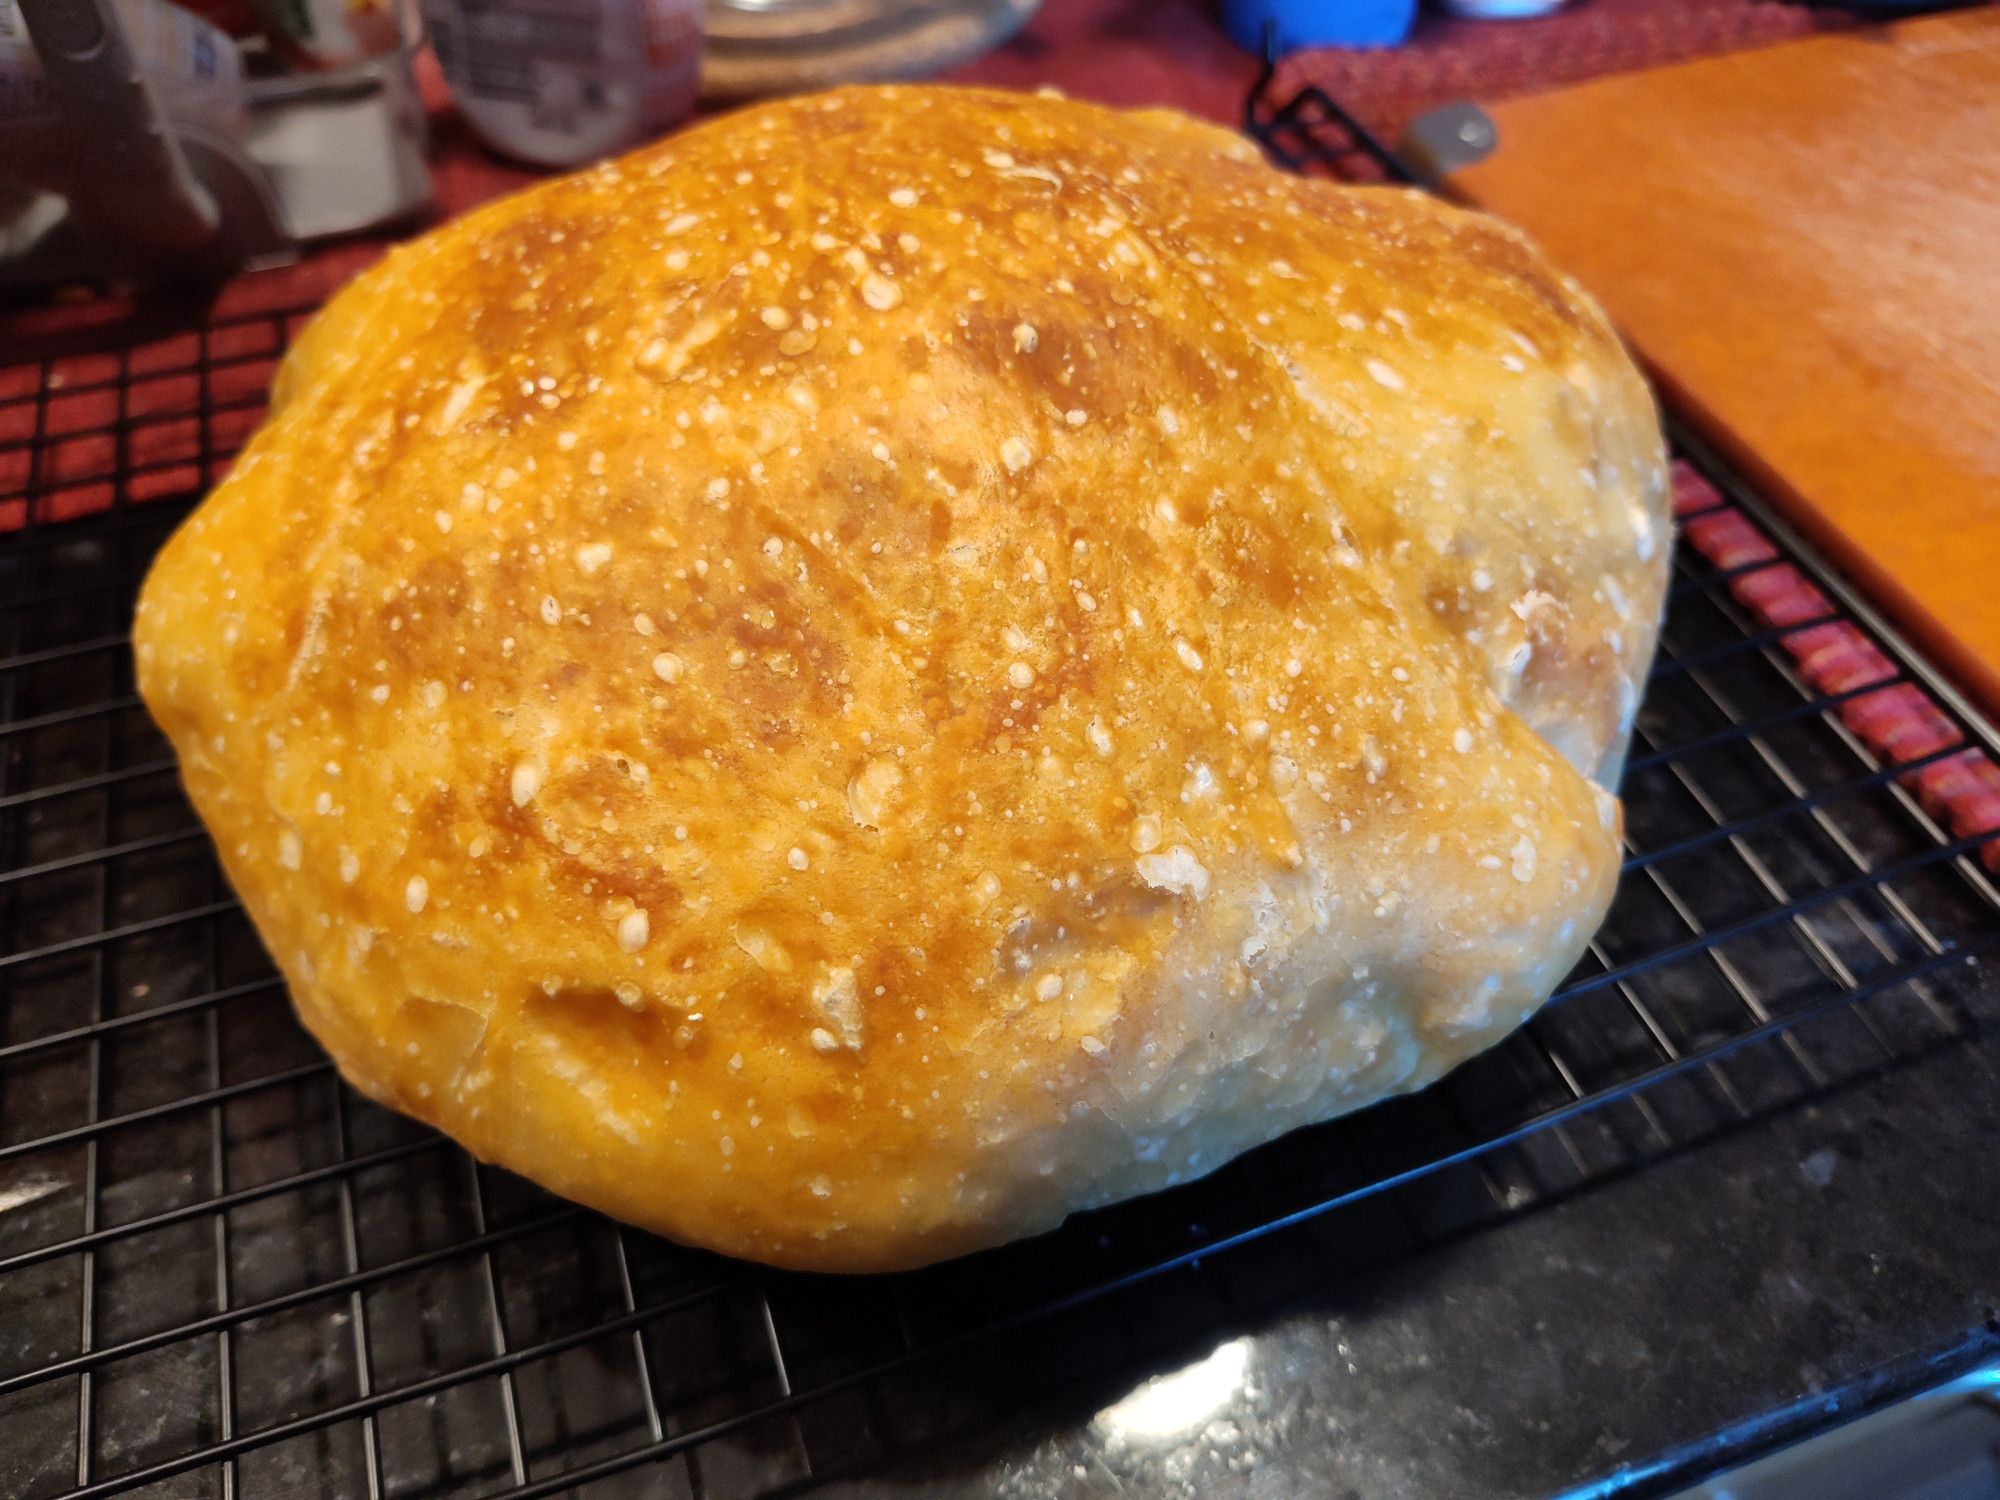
(224, 1274)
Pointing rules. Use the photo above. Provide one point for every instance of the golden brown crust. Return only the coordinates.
(905, 662)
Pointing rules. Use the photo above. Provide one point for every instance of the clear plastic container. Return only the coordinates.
(557, 83)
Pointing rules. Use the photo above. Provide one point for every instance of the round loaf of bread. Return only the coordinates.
(905, 663)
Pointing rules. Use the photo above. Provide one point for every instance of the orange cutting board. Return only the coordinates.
(1803, 243)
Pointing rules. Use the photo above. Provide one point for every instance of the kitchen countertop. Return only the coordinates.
(1776, 1264)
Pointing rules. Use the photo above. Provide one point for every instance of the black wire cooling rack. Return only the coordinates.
(224, 1274)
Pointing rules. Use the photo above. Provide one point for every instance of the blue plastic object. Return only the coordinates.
(1291, 24)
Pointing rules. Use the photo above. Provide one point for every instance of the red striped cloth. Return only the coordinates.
(1898, 721)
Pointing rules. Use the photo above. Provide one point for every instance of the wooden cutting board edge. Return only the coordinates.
(1904, 614)
(1903, 610)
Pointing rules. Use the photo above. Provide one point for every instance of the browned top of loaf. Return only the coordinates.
(803, 631)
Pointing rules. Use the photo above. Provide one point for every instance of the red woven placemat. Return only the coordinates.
(1899, 721)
